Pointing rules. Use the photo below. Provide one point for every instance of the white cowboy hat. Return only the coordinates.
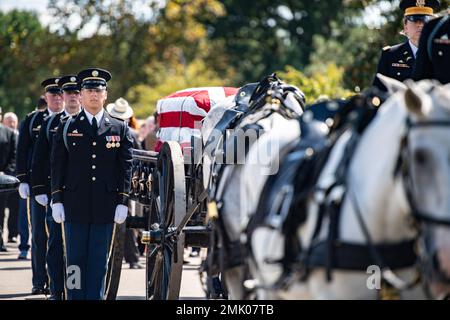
(120, 109)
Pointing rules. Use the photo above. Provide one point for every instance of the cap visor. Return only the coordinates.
(93, 86)
(54, 90)
(71, 89)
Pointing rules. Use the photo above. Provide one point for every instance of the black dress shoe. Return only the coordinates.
(135, 265)
(56, 297)
(39, 290)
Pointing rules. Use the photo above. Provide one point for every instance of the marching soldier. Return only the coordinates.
(433, 58)
(29, 132)
(91, 171)
(40, 179)
(398, 61)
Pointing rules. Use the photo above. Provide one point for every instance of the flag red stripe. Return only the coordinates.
(172, 119)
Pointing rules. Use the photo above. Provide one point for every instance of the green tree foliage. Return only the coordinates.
(326, 82)
(23, 59)
(263, 36)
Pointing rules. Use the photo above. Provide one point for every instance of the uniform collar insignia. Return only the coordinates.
(75, 131)
(444, 37)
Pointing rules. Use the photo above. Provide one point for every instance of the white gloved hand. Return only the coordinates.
(24, 190)
(121, 214)
(58, 212)
(42, 199)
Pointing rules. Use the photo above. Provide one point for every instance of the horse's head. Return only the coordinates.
(426, 171)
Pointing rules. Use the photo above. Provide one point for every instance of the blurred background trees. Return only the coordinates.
(154, 47)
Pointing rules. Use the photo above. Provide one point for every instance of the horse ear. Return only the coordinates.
(414, 99)
(391, 84)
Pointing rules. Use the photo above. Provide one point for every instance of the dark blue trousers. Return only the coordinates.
(23, 226)
(47, 249)
(87, 249)
(55, 253)
(39, 239)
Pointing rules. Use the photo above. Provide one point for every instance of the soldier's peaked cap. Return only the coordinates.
(51, 85)
(419, 7)
(94, 78)
(69, 83)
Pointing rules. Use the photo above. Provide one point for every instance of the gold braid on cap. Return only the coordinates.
(419, 10)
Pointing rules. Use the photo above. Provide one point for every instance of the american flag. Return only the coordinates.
(181, 112)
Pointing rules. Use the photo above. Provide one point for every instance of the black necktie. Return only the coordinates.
(94, 126)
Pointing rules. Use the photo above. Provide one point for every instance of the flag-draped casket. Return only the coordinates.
(180, 114)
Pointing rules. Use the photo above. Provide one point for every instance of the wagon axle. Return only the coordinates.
(156, 236)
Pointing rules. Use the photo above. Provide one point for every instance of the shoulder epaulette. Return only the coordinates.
(386, 48)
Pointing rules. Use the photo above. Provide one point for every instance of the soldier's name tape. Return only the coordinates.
(400, 65)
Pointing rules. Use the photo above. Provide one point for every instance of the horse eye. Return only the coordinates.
(420, 156)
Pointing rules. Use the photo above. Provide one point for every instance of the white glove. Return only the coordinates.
(24, 190)
(58, 212)
(121, 214)
(42, 199)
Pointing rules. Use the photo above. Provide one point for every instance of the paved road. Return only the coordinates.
(15, 279)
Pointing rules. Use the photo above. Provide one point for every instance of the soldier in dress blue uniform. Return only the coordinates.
(90, 181)
(398, 61)
(433, 57)
(28, 136)
(40, 179)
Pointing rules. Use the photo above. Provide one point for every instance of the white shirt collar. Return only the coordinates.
(413, 48)
(98, 116)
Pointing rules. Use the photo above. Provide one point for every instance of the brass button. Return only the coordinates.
(94, 156)
(398, 73)
(440, 53)
(94, 143)
(93, 167)
(74, 144)
(93, 179)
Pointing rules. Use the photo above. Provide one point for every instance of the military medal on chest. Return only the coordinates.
(112, 142)
(109, 140)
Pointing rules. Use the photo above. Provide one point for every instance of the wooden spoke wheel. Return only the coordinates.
(164, 253)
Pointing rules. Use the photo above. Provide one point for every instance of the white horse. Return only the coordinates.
(273, 115)
(376, 195)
